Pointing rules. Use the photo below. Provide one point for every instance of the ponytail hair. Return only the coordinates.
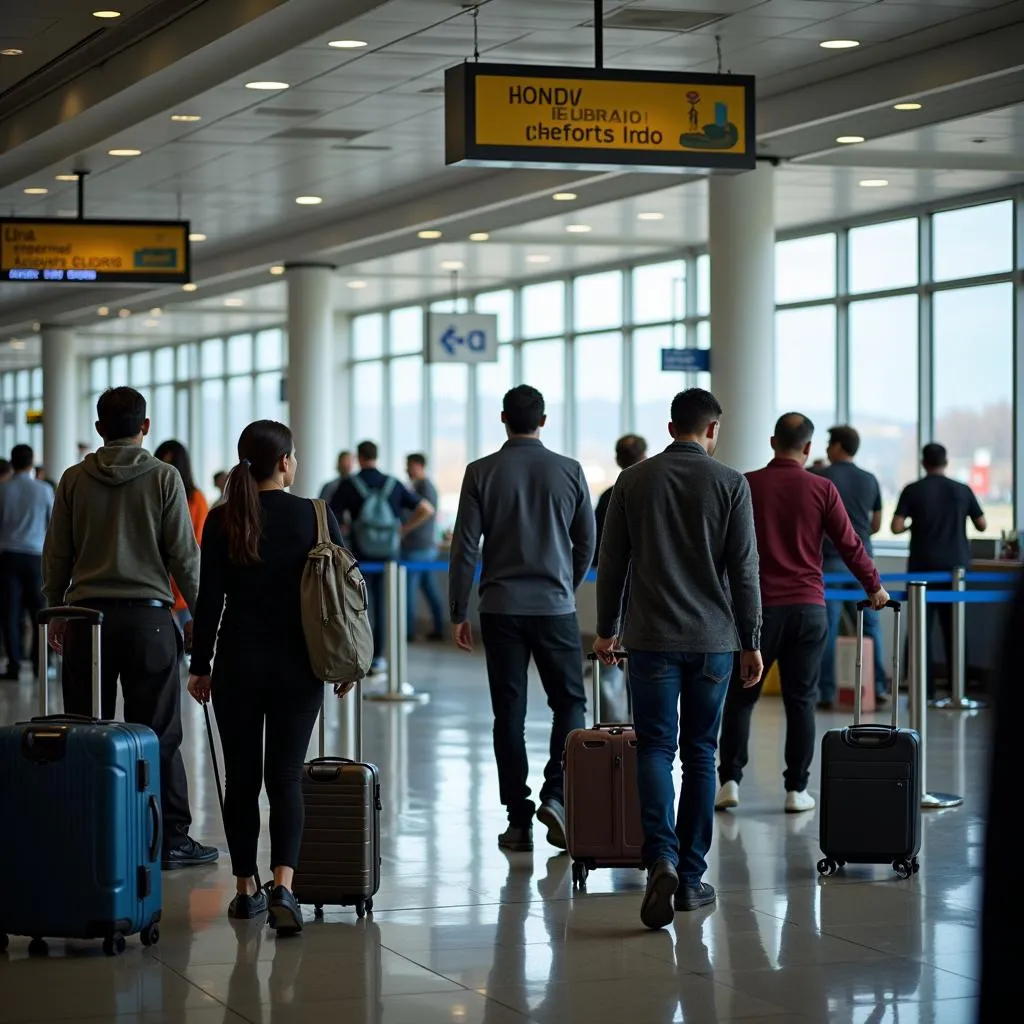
(261, 447)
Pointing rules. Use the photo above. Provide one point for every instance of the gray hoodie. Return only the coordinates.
(120, 528)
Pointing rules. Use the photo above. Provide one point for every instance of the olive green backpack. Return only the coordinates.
(334, 609)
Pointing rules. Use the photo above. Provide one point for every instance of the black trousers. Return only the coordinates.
(141, 648)
(794, 636)
(265, 718)
(21, 592)
(553, 641)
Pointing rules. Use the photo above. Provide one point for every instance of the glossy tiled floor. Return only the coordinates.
(463, 933)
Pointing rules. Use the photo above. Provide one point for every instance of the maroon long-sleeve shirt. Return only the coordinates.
(793, 512)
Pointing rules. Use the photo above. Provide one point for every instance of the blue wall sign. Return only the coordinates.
(686, 360)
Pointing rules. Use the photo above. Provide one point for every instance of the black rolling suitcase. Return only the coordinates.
(871, 782)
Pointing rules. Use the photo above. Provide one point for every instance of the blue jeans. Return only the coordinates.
(424, 581)
(677, 702)
(872, 630)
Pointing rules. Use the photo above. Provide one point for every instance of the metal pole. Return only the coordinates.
(598, 34)
(917, 689)
(395, 598)
(958, 699)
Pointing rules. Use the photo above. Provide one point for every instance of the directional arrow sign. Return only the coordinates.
(462, 338)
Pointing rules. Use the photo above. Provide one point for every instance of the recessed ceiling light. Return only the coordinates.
(564, 197)
(186, 118)
(36, 191)
(156, 311)
(308, 200)
(849, 140)
(538, 257)
(150, 323)
(578, 229)
(106, 14)
(277, 271)
(103, 311)
(11, 52)
(197, 236)
(839, 44)
(479, 236)
(356, 284)
(190, 287)
(124, 152)
(234, 302)
(266, 86)
(347, 44)
(873, 183)
(16, 345)
(124, 313)
(907, 106)
(66, 177)
(429, 233)
(452, 264)
(650, 216)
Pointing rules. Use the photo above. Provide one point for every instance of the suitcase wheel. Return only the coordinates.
(150, 935)
(579, 874)
(114, 945)
(38, 947)
(318, 911)
(3, 942)
(361, 908)
(828, 866)
(906, 868)
(369, 906)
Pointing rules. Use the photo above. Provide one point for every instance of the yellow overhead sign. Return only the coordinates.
(143, 252)
(524, 115)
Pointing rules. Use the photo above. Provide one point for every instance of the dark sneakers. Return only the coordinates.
(517, 840)
(284, 914)
(657, 911)
(245, 907)
(552, 815)
(693, 897)
(189, 854)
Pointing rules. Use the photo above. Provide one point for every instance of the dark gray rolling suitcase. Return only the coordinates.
(339, 860)
(871, 783)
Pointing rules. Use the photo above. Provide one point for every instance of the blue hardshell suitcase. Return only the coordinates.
(80, 802)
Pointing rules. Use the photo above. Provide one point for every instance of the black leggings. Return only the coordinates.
(287, 708)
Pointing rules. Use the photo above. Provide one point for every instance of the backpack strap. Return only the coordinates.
(361, 489)
(323, 530)
(388, 487)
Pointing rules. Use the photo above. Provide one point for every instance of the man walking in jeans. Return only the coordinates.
(794, 511)
(684, 523)
(533, 509)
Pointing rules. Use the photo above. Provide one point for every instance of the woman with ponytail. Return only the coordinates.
(264, 692)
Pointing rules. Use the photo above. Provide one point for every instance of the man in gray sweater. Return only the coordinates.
(120, 529)
(533, 509)
(682, 525)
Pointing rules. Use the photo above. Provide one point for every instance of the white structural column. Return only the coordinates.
(310, 388)
(60, 400)
(742, 249)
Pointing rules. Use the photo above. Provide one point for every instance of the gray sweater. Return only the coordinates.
(533, 509)
(686, 525)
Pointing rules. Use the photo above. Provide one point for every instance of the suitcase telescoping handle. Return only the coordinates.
(69, 613)
(356, 694)
(858, 684)
(624, 658)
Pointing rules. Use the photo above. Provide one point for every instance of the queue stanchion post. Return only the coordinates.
(917, 690)
(396, 589)
(958, 699)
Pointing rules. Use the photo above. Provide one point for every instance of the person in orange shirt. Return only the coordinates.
(176, 454)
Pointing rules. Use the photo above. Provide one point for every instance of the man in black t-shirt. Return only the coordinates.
(862, 499)
(938, 509)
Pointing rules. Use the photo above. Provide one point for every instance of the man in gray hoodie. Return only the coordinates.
(120, 529)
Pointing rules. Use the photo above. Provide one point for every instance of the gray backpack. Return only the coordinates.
(334, 609)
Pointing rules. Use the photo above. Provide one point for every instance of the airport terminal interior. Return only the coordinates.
(345, 220)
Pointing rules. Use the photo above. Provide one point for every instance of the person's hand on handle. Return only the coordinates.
(343, 689)
(605, 647)
(751, 668)
(462, 634)
(56, 633)
(199, 688)
(879, 599)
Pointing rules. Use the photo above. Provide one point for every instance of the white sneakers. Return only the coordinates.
(797, 802)
(728, 796)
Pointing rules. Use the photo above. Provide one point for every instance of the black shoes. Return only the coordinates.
(189, 854)
(245, 907)
(552, 815)
(657, 911)
(517, 840)
(284, 914)
(693, 897)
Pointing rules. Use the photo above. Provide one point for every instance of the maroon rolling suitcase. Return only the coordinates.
(602, 803)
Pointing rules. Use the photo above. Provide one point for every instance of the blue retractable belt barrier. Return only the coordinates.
(1009, 578)
(970, 596)
(858, 595)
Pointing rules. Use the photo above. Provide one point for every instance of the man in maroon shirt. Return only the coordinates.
(793, 512)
